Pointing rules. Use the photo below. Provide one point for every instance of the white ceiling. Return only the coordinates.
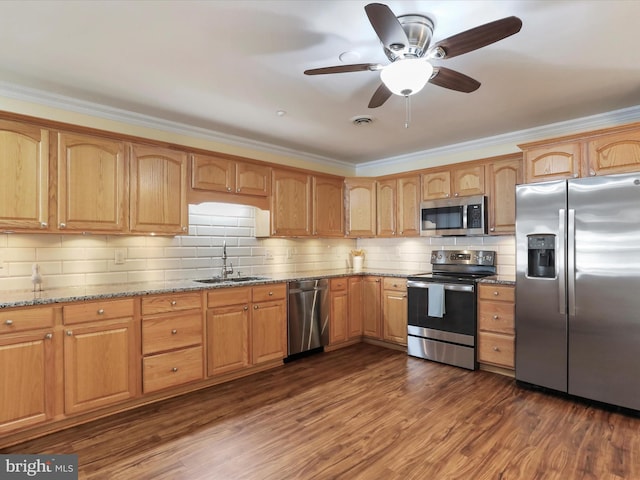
(229, 66)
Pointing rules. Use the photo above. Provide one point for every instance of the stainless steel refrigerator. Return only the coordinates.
(578, 287)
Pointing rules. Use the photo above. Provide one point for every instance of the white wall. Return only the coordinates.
(79, 260)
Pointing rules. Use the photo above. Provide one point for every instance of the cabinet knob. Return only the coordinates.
(575, 175)
(592, 173)
(48, 336)
(101, 311)
(173, 302)
(228, 189)
(496, 349)
(69, 333)
(63, 225)
(174, 369)
(271, 294)
(495, 293)
(44, 224)
(255, 307)
(238, 190)
(492, 229)
(496, 317)
(184, 229)
(246, 307)
(377, 280)
(174, 331)
(8, 322)
(456, 194)
(446, 195)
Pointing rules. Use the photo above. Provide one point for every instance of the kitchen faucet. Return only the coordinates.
(226, 271)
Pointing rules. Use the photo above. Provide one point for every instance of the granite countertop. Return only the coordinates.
(22, 298)
(499, 279)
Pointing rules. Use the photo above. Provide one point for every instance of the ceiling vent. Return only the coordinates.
(362, 120)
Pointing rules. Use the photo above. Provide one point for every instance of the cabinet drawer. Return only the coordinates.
(338, 284)
(496, 348)
(92, 311)
(264, 293)
(221, 297)
(397, 284)
(496, 317)
(13, 320)
(170, 333)
(171, 303)
(170, 369)
(502, 293)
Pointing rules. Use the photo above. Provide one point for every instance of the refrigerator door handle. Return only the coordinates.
(560, 262)
(571, 261)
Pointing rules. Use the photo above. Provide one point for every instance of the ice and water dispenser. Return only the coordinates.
(542, 256)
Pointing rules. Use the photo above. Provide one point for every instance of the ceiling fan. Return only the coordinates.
(406, 41)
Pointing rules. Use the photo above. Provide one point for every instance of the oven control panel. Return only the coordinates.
(463, 257)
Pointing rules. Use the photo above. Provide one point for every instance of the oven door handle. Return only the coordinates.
(454, 287)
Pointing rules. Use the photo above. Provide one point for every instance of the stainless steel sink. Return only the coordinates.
(229, 280)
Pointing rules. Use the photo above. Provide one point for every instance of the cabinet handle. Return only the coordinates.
(101, 311)
(246, 307)
(69, 333)
(63, 225)
(271, 294)
(495, 293)
(592, 173)
(377, 280)
(174, 369)
(174, 331)
(8, 322)
(173, 302)
(48, 336)
(446, 195)
(44, 224)
(456, 194)
(228, 189)
(255, 307)
(496, 317)
(492, 229)
(184, 229)
(238, 190)
(496, 349)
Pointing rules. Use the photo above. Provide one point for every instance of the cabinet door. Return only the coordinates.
(355, 307)
(436, 185)
(158, 190)
(100, 364)
(360, 205)
(227, 339)
(386, 208)
(328, 207)
(617, 153)
(252, 179)
(467, 181)
(27, 383)
(24, 183)
(215, 174)
(503, 178)
(395, 316)
(554, 162)
(371, 311)
(408, 206)
(338, 324)
(291, 203)
(268, 331)
(92, 184)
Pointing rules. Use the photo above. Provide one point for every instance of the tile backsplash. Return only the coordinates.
(75, 260)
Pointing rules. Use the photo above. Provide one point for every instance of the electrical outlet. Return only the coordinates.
(268, 255)
(289, 252)
(120, 256)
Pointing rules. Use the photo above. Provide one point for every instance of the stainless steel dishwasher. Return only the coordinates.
(308, 316)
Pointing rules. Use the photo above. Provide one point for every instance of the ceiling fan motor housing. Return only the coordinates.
(419, 30)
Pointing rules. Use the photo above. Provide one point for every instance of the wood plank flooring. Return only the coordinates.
(363, 412)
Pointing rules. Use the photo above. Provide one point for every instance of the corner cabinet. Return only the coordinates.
(158, 190)
(93, 193)
(24, 183)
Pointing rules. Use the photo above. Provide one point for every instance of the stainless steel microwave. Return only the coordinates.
(454, 216)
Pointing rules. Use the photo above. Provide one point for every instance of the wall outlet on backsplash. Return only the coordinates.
(120, 256)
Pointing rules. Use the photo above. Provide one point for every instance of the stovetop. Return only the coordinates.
(450, 277)
(459, 266)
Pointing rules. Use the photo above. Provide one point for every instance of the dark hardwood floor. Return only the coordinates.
(364, 412)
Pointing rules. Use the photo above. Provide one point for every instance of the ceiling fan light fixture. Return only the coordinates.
(406, 76)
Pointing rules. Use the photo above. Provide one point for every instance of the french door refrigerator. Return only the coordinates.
(578, 287)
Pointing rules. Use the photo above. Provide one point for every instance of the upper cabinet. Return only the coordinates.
(328, 206)
(223, 174)
(457, 181)
(93, 192)
(616, 153)
(158, 190)
(398, 201)
(502, 178)
(290, 203)
(552, 162)
(24, 183)
(360, 207)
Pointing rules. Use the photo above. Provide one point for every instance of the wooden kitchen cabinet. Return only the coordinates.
(219, 173)
(328, 206)
(371, 307)
(552, 162)
(386, 208)
(291, 203)
(339, 314)
(394, 311)
(360, 207)
(614, 153)
(172, 340)
(398, 202)
(101, 351)
(268, 323)
(24, 183)
(29, 367)
(496, 325)
(93, 193)
(436, 184)
(355, 307)
(455, 181)
(158, 188)
(502, 178)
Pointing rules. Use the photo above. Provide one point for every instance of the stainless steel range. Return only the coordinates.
(442, 306)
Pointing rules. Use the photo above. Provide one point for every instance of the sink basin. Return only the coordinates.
(229, 280)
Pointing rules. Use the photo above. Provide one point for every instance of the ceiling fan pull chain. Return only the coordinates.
(407, 118)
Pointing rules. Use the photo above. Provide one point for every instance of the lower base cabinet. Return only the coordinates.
(496, 325)
(394, 311)
(371, 307)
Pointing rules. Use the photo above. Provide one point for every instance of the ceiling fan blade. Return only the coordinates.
(478, 37)
(358, 67)
(387, 26)
(447, 78)
(380, 96)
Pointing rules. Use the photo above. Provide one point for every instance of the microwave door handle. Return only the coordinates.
(464, 216)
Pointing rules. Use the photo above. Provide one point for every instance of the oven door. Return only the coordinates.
(457, 325)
